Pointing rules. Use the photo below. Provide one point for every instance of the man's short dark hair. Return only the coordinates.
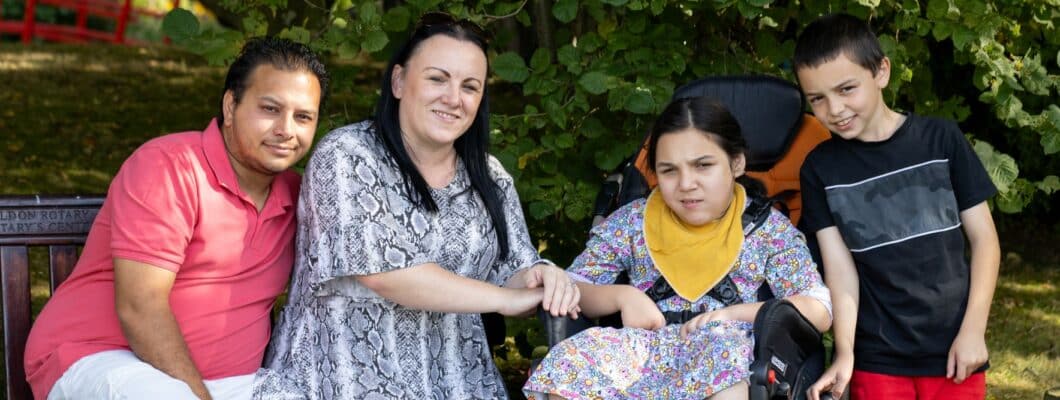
(282, 54)
(827, 37)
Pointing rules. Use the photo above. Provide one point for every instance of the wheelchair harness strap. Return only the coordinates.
(725, 291)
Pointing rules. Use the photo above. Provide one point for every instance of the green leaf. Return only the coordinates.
(594, 82)
(375, 41)
(369, 14)
(565, 140)
(1016, 198)
(1049, 185)
(640, 101)
(180, 25)
(1000, 167)
(511, 67)
(963, 36)
(616, 3)
(568, 56)
(540, 60)
(565, 10)
(396, 19)
(540, 210)
(296, 33)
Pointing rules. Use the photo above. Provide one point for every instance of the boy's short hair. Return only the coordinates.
(827, 37)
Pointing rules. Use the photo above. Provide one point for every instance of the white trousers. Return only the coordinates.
(120, 375)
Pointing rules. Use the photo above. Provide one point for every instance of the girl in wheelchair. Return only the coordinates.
(694, 276)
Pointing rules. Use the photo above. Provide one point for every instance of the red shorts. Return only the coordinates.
(871, 386)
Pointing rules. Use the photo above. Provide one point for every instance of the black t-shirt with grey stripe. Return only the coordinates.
(897, 205)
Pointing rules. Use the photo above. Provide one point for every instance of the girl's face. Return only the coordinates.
(695, 175)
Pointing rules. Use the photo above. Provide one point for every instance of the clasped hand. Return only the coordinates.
(561, 294)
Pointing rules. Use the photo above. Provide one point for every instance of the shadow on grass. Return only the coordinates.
(1024, 331)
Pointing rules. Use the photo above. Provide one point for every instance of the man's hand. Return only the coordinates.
(967, 353)
(639, 311)
(835, 379)
(561, 294)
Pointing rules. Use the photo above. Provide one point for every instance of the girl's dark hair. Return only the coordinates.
(282, 54)
(710, 117)
(472, 147)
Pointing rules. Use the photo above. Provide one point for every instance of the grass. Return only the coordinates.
(71, 114)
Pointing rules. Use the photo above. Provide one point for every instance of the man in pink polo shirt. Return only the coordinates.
(172, 295)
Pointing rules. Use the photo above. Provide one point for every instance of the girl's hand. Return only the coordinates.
(561, 294)
(702, 319)
(639, 311)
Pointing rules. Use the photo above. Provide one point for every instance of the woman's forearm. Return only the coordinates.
(433, 288)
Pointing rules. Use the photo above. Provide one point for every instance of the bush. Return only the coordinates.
(578, 82)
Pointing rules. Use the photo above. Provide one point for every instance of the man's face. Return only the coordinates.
(272, 126)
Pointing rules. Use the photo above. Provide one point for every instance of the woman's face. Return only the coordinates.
(439, 88)
(695, 175)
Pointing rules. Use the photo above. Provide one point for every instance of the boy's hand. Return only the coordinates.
(638, 311)
(967, 354)
(834, 379)
(700, 320)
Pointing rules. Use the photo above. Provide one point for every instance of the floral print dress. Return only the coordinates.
(608, 363)
(336, 339)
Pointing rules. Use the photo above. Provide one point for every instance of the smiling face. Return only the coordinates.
(695, 175)
(439, 89)
(847, 98)
(272, 126)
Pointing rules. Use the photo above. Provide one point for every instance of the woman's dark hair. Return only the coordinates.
(471, 147)
(717, 124)
(282, 54)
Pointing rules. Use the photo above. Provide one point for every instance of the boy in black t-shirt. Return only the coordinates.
(887, 197)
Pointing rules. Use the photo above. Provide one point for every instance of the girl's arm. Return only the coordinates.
(638, 310)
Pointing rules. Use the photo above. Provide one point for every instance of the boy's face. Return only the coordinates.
(847, 98)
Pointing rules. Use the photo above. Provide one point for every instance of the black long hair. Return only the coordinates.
(472, 147)
(717, 124)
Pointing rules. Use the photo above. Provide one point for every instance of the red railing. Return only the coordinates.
(120, 11)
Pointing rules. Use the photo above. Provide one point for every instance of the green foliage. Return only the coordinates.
(566, 114)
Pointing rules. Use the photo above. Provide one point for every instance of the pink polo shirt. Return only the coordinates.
(176, 204)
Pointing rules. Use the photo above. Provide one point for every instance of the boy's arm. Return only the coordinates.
(842, 279)
(968, 351)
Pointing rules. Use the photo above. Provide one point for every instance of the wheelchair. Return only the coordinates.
(788, 351)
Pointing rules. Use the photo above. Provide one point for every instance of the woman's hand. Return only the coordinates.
(639, 311)
(519, 302)
(700, 320)
(561, 295)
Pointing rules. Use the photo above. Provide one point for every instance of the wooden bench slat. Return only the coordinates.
(14, 270)
(62, 259)
(60, 222)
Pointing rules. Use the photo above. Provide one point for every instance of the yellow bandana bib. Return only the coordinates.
(693, 258)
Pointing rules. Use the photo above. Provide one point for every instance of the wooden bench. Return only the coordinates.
(59, 222)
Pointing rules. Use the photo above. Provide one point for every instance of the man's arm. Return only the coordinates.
(842, 279)
(141, 298)
(968, 351)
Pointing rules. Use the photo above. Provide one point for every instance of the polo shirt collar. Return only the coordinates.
(280, 194)
(213, 145)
